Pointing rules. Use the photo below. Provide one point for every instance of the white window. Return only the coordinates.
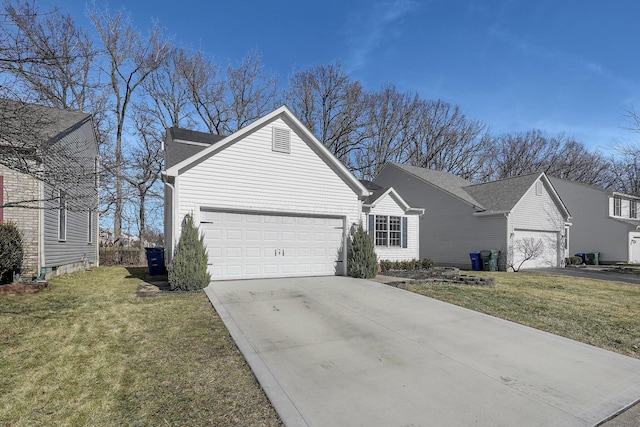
(388, 230)
(382, 230)
(90, 227)
(633, 209)
(62, 215)
(617, 206)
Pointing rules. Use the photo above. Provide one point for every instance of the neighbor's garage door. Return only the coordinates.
(540, 246)
(247, 245)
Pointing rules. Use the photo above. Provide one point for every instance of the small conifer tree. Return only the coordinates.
(188, 269)
(362, 261)
(11, 251)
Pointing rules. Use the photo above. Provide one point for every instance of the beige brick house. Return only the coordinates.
(49, 186)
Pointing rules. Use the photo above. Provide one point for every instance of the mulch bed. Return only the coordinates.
(22, 288)
(437, 275)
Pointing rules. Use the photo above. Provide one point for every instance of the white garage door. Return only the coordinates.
(538, 249)
(247, 245)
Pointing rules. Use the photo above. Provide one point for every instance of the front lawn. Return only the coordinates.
(603, 314)
(88, 351)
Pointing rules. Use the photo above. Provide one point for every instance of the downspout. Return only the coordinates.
(173, 213)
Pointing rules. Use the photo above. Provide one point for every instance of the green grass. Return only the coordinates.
(603, 314)
(89, 351)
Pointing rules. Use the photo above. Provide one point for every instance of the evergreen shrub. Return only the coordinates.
(11, 251)
(362, 261)
(188, 269)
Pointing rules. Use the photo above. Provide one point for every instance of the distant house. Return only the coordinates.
(603, 221)
(49, 186)
(272, 201)
(512, 216)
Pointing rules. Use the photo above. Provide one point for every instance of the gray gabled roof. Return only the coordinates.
(184, 143)
(375, 189)
(502, 195)
(48, 124)
(446, 181)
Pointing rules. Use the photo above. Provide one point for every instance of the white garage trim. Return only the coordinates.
(537, 248)
(244, 244)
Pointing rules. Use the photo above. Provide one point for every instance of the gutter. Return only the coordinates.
(165, 180)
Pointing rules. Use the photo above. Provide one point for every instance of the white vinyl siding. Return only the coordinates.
(538, 213)
(249, 175)
(387, 207)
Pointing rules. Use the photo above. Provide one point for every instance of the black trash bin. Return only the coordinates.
(155, 261)
(489, 259)
(476, 262)
(593, 258)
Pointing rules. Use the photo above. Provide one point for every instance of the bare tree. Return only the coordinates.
(330, 105)
(527, 248)
(130, 58)
(533, 151)
(251, 92)
(445, 139)
(390, 128)
(49, 56)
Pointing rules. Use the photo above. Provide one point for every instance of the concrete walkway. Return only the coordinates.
(335, 351)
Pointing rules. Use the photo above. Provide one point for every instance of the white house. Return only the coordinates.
(603, 221)
(270, 199)
(508, 215)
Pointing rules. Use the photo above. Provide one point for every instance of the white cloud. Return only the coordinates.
(378, 25)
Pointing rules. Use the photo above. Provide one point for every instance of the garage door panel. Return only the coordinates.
(244, 245)
(540, 246)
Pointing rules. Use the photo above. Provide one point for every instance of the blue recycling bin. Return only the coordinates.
(476, 261)
(155, 261)
(583, 256)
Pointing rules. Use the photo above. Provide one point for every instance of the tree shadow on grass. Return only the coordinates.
(142, 273)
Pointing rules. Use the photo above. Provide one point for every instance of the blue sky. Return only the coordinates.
(560, 66)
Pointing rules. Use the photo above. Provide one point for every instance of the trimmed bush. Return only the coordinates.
(11, 251)
(188, 269)
(362, 261)
(414, 264)
(573, 260)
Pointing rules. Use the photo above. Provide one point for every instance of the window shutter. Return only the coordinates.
(1, 198)
(405, 227)
(372, 227)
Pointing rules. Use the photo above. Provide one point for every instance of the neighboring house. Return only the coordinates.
(603, 221)
(510, 215)
(392, 224)
(49, 186)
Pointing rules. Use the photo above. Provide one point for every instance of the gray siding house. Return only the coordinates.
(603, 221)
(49, 187)
(461, 217)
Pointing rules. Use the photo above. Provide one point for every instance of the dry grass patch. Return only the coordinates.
(600, 313)
(88, 351)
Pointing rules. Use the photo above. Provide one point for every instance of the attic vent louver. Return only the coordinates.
(281, 140)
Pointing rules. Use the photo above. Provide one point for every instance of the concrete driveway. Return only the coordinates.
(336, 351)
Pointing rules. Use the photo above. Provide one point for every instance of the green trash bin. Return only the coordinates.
(593, 258)
(489, 259)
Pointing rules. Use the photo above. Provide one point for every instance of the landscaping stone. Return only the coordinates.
(435, 275)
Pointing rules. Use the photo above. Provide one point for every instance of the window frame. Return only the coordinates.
(90, 231)
(388, 231)
(633, 209)
(617, 206)
(62, 215)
